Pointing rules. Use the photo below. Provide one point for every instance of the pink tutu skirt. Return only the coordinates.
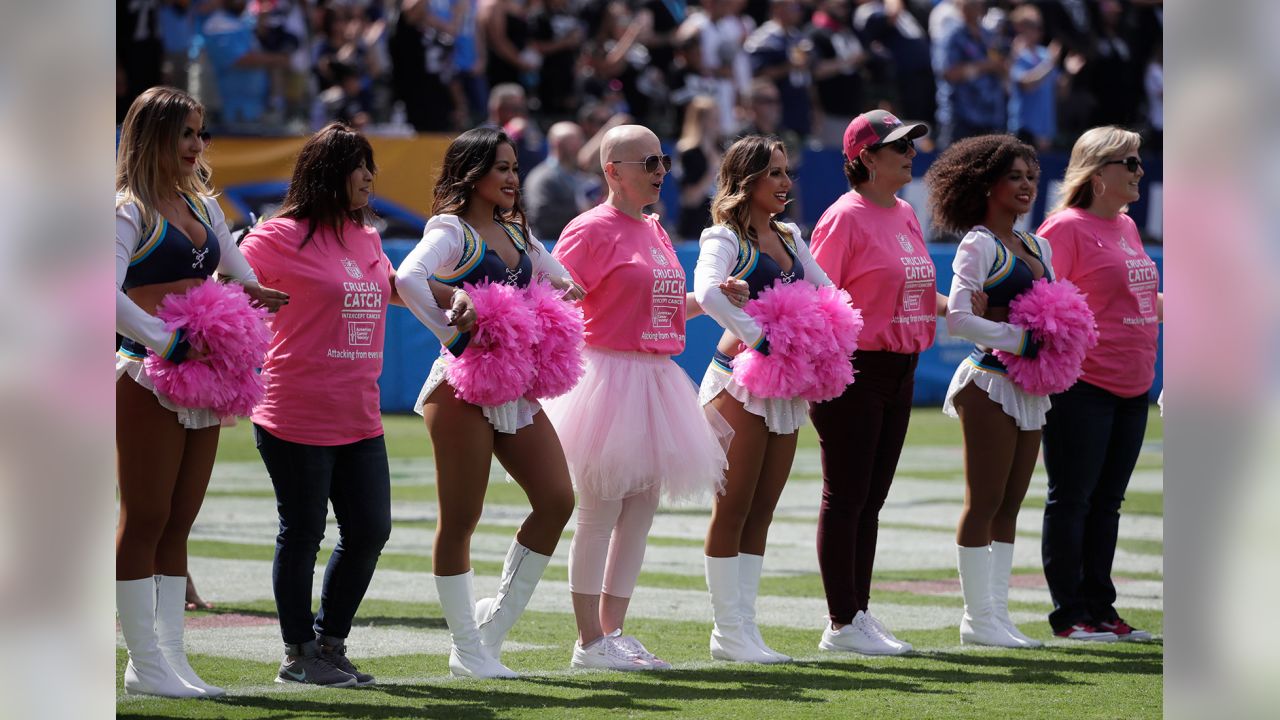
(633, 423)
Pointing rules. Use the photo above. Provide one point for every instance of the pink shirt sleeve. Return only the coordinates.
(825, 244)
(261, 247)
(573, 250)
(1062, 239)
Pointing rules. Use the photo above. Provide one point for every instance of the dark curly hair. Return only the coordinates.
(961, 178)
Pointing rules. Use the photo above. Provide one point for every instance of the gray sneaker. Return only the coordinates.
(335, 651)
(304, 665)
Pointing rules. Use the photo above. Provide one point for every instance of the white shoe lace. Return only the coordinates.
(871, 630)
(634, 646)
(880, 629)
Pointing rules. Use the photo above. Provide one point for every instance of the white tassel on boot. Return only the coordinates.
(148, 673)
(729, 640)
(467, 657)
(979, 626)
(750, 567)
(171, 605)
(496, 615)
(1001, 569)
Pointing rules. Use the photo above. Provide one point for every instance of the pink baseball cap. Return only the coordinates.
(876, 127)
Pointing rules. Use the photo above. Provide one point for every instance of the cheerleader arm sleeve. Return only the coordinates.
(440, 248)
(716, 256)
(972, 264)
(545, 264)
(132, 321)
(232, 263)
(813, 272)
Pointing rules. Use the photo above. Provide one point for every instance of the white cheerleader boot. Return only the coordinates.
(729, 639)
(148, 673)
(496, 615)
(171, 602)
(750, 568)
(979, 626)
(1001, 569)
(467, 657)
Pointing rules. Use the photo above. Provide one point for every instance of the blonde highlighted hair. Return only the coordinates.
(743, 164)
(1088, 156)
(147, 159)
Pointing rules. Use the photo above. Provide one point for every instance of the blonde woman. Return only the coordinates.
(747, 243)
(699, 160)
(1094, 431)
(170, 236)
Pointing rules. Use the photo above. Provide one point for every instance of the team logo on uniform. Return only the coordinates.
(905, 242)
(1124, 245)
(658, 256)
(352, 269)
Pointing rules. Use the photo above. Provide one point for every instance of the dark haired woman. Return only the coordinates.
(170, 236)
(980, 186)
(319, 426)
(478, 232)
(870, 243)
(747, 243)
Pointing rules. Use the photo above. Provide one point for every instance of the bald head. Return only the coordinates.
(628, 142)
(564, 139)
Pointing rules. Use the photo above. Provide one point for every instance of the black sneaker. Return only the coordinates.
(307, 669)
(337, 655)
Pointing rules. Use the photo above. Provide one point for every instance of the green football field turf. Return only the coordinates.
(401, 638)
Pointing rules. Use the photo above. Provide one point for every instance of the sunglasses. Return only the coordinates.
(650, 163)
(1131, 163)
(900, 146)
(205, 136)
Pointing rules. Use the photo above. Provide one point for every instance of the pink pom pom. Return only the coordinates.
(495, 368)
(557, 357)
(220, 321)
(812, 332)
(1059, 318)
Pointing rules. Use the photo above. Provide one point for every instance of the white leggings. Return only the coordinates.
(608, 545)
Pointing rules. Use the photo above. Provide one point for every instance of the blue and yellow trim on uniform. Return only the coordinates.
(748, 258)
(153, 236)
(985, 368)
(473, 250)
(1001, 268)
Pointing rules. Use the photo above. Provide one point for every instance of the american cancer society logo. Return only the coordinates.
(352, 269)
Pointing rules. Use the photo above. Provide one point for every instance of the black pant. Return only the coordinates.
(1091, 443)
(306, 477)
(861, 435)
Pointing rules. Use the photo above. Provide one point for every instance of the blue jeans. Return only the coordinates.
(306, 478)
(1091, 443)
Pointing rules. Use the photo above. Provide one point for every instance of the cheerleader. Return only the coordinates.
(981, 186)
(477, 233)
(747, 243)
(170, 236)
(632, 428)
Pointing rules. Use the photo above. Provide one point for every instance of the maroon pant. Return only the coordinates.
(861, 435)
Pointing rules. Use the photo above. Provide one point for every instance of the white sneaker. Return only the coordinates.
(860, 636)
(888, 635)
(1088, 633)
(633, 646)
(606, 654)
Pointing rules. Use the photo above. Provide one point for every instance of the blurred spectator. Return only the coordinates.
(177, 31)
(344, 101)
(896, 40)
(687, 78)
(665, 17)
(467, 61)
(509, 111)
(281, 28)
(780, 52)
(1034, 77)
(764, 117)
(139, 51)
(422, 69)
(1153, 83)
(240, 64)
(971, 74)
(504, 24)
(838, 61)
(558, 35)
(1113, 71)
(553, 193)
(699, 157)
(722, 34)
(616, 63)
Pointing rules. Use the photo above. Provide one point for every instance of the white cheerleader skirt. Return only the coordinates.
(782, 416)
(506, 418)
(191, 418)
(1027, 410)
(633, 424)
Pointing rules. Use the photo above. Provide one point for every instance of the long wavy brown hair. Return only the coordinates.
(469, 157)
(743, 164)
(147, 159)
(318, 189)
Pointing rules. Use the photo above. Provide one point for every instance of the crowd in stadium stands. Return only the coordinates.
(1045, 70)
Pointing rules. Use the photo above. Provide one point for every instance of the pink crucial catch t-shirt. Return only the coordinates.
(322, 368)
(878, 255)
(634, 282)
(1105, 259)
